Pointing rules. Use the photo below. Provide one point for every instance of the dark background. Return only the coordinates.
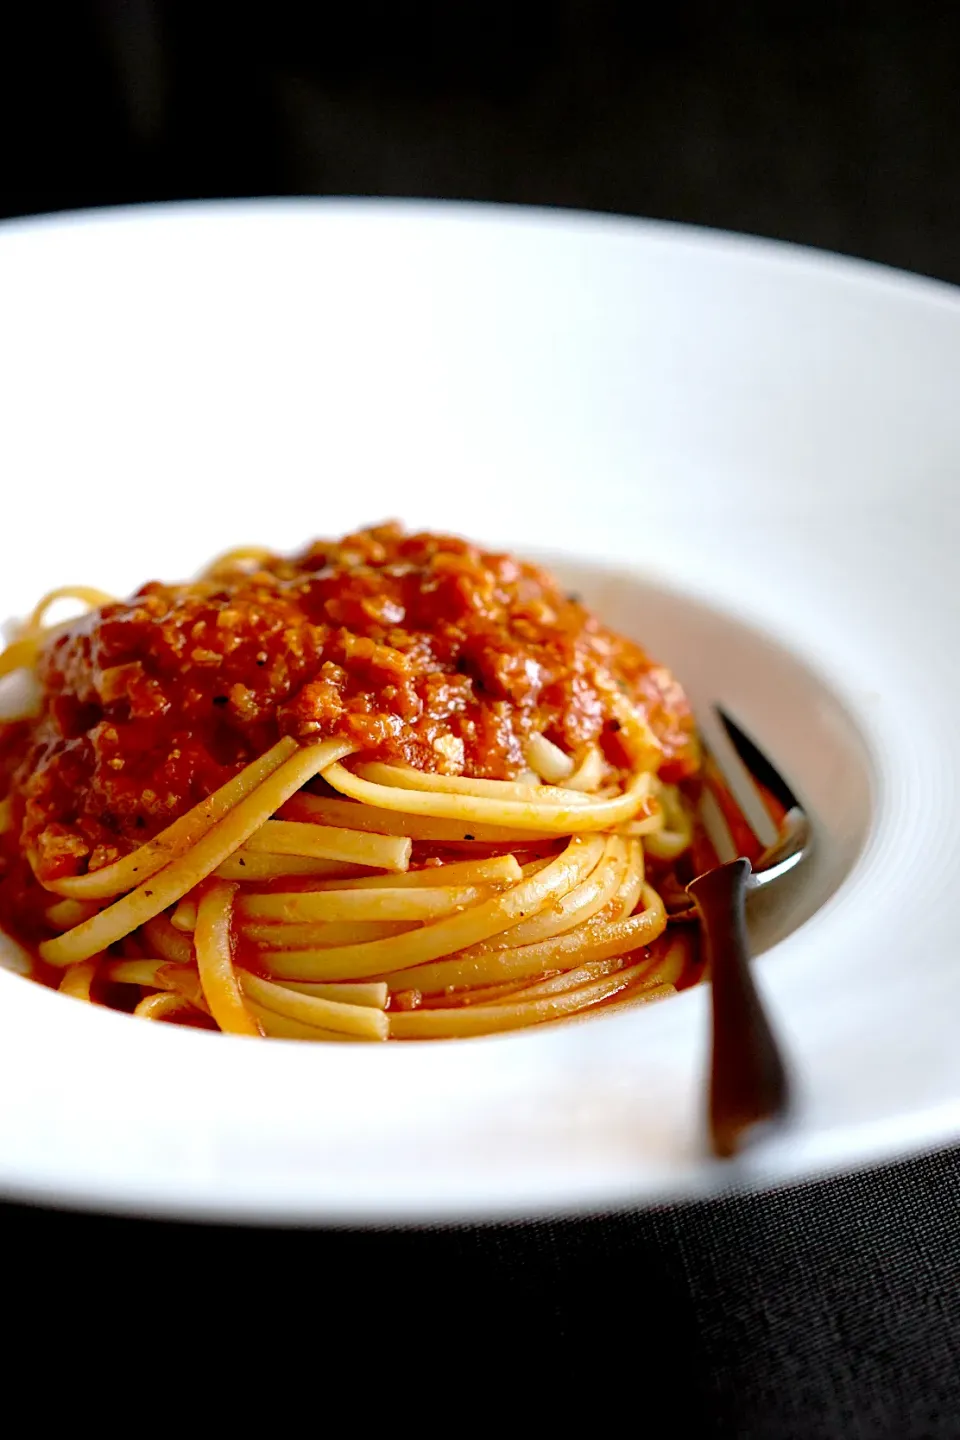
(829, 1310)
(832, 124)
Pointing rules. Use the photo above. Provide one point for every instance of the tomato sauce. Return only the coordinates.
(423, 649)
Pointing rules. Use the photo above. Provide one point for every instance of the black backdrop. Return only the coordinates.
(833, 124)
(829, 1310)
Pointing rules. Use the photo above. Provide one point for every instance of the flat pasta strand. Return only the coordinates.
(379, 957)
(514, 1015)
(578, 905)
(409, 779)
(423, 903)
(325, 842)
(20, 655)
(500, 870)
(131, 972)
(78, 979)
(562, 819)
(320, 810)
(173, 882)
(323, 935)
(548, 761)
(214, 943)
(360, 1020)
(372, 993)
(88, 595)
(282, 1027)
(159, 1006)
(168, 942)
(596, 940)
(178, 838)
(252, 867)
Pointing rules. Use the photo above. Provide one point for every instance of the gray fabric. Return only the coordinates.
(824, 1312)
(830, 1310)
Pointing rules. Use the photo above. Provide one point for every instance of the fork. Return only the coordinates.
(749, 1086)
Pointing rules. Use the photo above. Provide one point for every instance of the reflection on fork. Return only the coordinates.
(749, 1087)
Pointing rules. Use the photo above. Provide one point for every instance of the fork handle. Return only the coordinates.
(748, 1081)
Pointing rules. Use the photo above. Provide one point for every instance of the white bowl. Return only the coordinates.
(743, 453)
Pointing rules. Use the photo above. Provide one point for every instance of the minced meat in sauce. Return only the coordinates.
(423, 649)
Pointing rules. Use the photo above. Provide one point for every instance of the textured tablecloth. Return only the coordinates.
(829, 1311)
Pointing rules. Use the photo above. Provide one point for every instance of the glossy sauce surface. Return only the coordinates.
(423, 649)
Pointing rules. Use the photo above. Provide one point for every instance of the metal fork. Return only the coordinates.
(749, 1086)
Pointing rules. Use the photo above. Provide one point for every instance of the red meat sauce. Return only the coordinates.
(421, 648)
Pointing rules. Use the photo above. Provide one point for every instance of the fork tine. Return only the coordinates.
(760, 767)
(737, 777)
(718, 831)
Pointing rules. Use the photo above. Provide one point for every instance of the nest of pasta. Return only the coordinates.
(395, 786)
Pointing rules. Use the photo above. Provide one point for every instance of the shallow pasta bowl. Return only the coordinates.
(742, 454)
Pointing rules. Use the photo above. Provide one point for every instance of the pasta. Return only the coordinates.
(393, 788)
